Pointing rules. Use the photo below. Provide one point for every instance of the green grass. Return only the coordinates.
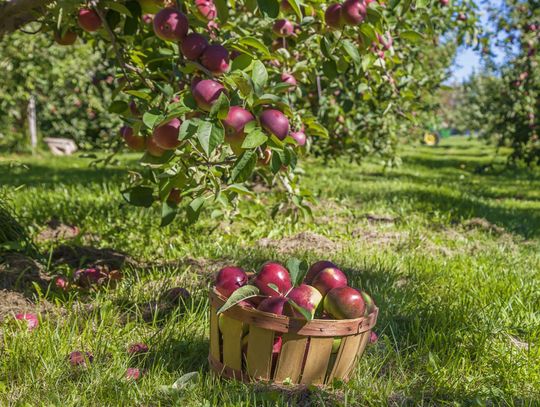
(459, 297)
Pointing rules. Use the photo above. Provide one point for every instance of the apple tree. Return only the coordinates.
(212, 92)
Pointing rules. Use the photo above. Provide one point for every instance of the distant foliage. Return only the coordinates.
(72, 87)
(504, 104)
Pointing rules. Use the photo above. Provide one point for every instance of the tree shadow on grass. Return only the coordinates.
(48, 175)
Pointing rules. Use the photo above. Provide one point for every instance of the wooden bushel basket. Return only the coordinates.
(306, 353)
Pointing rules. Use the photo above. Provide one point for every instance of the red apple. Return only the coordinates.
(166, 135)
(333, 17)
(206, 92)
(444, 3)
(273, 305)
(353, 11)
(229, 279)
(32, 321)
(137, 348)
(316, 268)
(328, 279)
(273, 273)
(170, 24)
(283, 28)
(193, 46)
(299, 137)
(150, 6)
(234, 124)
(275, 122)
(87, 277)
(89, 20)
(344, 303)
(79, 358)
(134, 142)
(153, 149)
(206, 9)
(68, 38)
(215, 58)
(462, 17)
(174, 196)
(134, 109)
(305, 296)
(290, 79)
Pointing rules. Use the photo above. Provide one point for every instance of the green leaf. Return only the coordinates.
(240, 189)
(222, 10)
(118, 106)
(194, 209)
(139, 94)
(259, 75)
(119, 7)
(139, 196)
(295, 5)
(330, 69)
(352, 51)
(412, 36)
(297, 269)
(187, 129)
(210, 135)
(151, 118)
(368, 31)
(254, 138)
(305, 313)
(220, 108)
(269, 8)
(242, 293)
(276, 161)
(168, 213)
(274, 287)
(253, 42)
(241, 62)
(244, 166)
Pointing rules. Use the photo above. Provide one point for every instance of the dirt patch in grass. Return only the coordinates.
(19, 272)
(483, 224)
(380, 218)
(12, 302)
(379, 236)
(56, 230)
(304, 241)
(88, 256)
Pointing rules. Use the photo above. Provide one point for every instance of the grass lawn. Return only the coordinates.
(450, 254)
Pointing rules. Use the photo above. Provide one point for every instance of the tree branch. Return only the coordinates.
(16, 13)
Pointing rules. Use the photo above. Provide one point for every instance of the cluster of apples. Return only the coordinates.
(350, 12)
(324, 292)
(170, 24)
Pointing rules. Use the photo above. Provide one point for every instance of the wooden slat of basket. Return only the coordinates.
(345, 357)
(214, 335)
(318, 355)
(283, 324)
(232, 342)
(363, 343)
(291, 356)
(259, 353)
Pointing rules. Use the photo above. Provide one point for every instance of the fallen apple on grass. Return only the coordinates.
(32, 321)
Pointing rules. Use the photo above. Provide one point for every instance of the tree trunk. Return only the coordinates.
(32, 123)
